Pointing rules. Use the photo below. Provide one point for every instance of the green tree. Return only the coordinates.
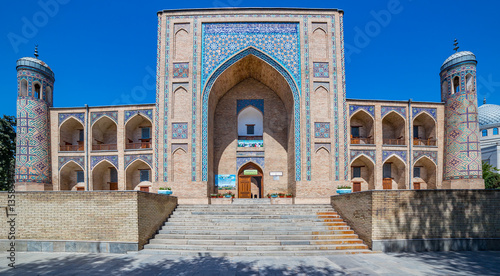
(491, 176)
(7, 151)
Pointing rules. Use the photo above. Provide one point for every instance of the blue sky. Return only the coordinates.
(104, 52)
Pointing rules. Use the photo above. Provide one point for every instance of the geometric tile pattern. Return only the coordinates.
(240, 161)
(430, 111)
(129, 159)
(337, 120)
(369, 108)
(368, 153)
(156, 168)
(242, 104)
(33, 162)
(145, 112)
(307, 100)
(194, 101)
(386, 154)
(344, 108)
(278, 40)
(94, 160)
(321, 70)
(430, 154)
(78, 116)
(94, 116)
(179, 130)
(166, 102)
(399, 109)
(80, 160)
(462, 149)
(296, 105)
(322, 130)
(181, 70)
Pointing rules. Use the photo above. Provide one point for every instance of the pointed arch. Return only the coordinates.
(364, 111)
(181, 51)
(362, 127)
(71, 135)
(426, 169)
(104, 133)
(68, 176)
(104, 176)
(138, 174)
(397, 171)
(37, 90)
(362, 173)
(394, 129)
(469, 82)
(424, 129)
(24, 88)
(138, 132)
(319, 44)
(250, 122)
(456, 85)
(293, 86)
(181, 104)
(320, 103)
(322, 165)
(180, 166)
(322, 147)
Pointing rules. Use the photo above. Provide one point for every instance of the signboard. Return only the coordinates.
(225, 180)
(250, 172)
(276, 173)
(250, 143)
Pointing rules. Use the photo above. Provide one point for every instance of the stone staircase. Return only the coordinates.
(255, 230)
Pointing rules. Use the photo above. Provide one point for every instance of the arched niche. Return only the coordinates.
(24, 88)
(138, 130)
(37, 90)
(362, 130)
(71, 177)
(469, 82)
(250, 77)
(424, 174)
(394, 172)
(71, 135)
(138, 176)
(250, 122)
(319, 45)
(181, 110)
(321, 165)
(104, 134)
(104, 177)
(320, 102)
(181, 169)
(393, 129)
(456, 85)
(182, 49)
(424, 130)
(362, 173)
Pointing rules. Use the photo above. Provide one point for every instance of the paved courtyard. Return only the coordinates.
(433, 263)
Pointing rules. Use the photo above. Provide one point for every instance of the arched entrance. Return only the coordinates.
(250, 181)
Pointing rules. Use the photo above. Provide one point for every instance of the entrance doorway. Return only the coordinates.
(250, 181)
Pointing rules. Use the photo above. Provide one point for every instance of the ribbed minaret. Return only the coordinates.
(462, 152)
(35, 85)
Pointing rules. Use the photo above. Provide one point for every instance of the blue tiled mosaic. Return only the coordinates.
(179, 130)
(322, 130)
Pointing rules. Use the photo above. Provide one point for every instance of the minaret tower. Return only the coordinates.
(35, 86)
(462, 152)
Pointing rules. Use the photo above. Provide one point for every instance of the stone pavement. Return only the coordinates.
(430, 263)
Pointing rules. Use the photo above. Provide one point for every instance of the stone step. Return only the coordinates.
(251, 201)
(231, 216)
(256, 248)
(255, 242)
(257, 237)
(250, 228)
(243, 233)
(249, 220)
(250, 253)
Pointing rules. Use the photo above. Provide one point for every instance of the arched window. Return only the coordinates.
(485, 132)
(250, 122)
(37, 87)
(495, 131)
(24, 88)
(456, 85)
(468, 82)
(49, 95)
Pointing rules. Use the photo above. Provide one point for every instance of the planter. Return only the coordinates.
(228, 196)
(343, 191)
(274, 196)
(164, 192)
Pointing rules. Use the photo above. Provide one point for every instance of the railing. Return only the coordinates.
(142, 145)
(362, 140)
(424, 142)
(104, 147)
(399, 142)
(72, 148)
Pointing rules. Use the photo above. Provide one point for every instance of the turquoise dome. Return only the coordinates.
(489, 116)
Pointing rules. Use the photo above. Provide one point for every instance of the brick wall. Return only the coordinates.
(112, 216)
(425, 214)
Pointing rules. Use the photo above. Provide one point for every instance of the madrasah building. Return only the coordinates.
(253, 100)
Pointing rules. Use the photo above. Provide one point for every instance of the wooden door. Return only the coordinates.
(416, 186)
(80, 189)
(245, 187)
(387, 183)
(113, 186)
(144, 189)
(356, 186)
